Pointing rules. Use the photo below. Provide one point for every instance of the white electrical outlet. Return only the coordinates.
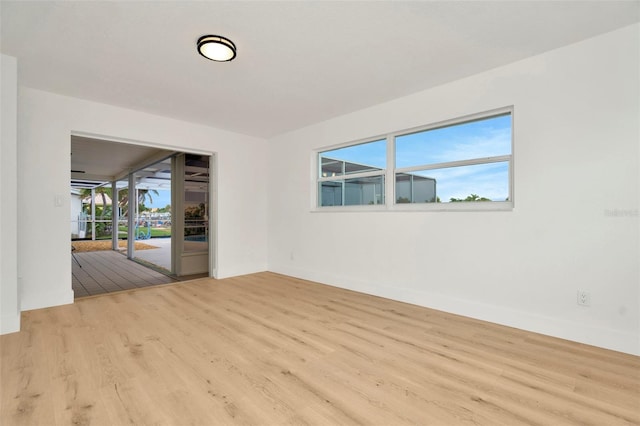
(584, 298)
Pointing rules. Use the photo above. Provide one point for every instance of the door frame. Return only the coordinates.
(213, 185)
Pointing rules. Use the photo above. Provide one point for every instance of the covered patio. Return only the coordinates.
(106, 175)
(107, 271)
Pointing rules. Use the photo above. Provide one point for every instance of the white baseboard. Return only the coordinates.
(9, 324)
(46, 300)
(616, 340)
(222, 273)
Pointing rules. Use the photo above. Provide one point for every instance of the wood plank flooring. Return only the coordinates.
(266, 349)
(109, 271)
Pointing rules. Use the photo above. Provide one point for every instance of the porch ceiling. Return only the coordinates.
(95, 162)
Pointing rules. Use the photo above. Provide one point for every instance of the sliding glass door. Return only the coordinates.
(191, 221)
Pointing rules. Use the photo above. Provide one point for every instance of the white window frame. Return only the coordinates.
(390, 171)
(340, 178)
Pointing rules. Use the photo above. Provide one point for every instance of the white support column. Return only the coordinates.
(131, 212)
(93, 214)
(115, 211)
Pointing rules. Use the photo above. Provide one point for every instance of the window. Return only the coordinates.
(353, 176)
(458, 165)
(466, 161)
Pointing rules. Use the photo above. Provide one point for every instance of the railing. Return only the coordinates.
(146, 227)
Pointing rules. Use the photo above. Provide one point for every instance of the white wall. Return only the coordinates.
(9, 303)
(575, 224)
(45, 124)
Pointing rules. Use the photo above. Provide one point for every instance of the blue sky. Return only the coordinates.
(161, 200)
(477, 139)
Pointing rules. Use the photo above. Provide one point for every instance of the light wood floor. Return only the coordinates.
(267, 349)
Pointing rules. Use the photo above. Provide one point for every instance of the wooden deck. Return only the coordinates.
(110, 271)
(266, 349)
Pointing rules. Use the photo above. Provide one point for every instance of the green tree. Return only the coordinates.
(101, 194)
(472, 197)
(143, 194)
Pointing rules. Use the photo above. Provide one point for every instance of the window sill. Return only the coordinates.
(464, 206)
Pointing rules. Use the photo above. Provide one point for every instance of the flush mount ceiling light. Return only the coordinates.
(216, 48)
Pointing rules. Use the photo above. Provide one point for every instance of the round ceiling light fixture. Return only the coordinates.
(216, 48)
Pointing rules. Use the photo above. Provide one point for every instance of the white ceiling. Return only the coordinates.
(298, 62)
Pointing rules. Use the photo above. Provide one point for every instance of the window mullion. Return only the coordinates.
(390, 184)
(449, 164)
(352, 176)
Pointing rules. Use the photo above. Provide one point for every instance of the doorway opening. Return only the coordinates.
(152, 205)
